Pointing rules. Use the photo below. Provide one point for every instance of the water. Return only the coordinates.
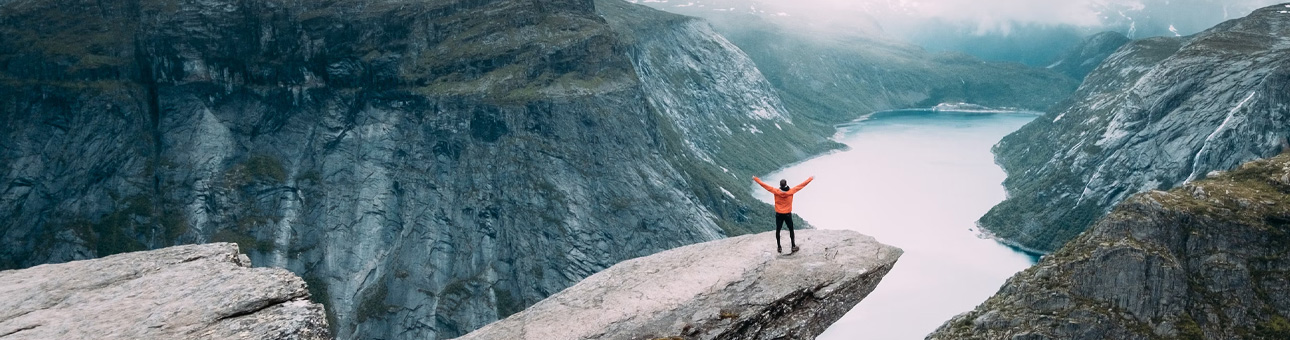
(917, 180)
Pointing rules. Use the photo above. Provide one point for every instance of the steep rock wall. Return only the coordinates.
(1207, 260)
(427, 167)
(1156, 114)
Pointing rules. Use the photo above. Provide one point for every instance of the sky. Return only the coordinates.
(1003, 16)
(1032, 32)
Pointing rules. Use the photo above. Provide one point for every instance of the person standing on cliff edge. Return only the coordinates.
(784, 209)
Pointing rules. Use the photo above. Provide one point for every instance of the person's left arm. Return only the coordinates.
(800, 186)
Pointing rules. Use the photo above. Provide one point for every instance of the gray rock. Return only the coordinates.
(735, 288)
(1162, 265)
(186, 292)
(1078, 61)
(427, 166)
(1158, 113)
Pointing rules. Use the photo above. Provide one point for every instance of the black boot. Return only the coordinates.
(779, 249)
(794, 249)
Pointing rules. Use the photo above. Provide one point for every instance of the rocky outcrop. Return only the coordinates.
(1081, 59)
(186, 292)
(735, 288)
(1158, 113)
(1207, 260)
(428, 167)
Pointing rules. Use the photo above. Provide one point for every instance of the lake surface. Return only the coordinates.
(917, 180)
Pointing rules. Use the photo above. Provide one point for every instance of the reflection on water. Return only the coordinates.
(917, 180)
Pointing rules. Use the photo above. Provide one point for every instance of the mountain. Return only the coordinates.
(427, 167)
(1206, 260)
(1080, 60)
(735, 288)
(1158, 113)
(836, 75)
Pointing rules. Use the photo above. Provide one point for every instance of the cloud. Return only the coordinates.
(1002, 16)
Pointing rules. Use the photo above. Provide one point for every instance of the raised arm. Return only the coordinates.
(764, 185)
(799, 187)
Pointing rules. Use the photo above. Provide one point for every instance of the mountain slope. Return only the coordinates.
(1156, 114)
(1081, 59)
(427, 167)
(1207, 260)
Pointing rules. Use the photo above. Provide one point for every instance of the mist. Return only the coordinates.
(1026, 31)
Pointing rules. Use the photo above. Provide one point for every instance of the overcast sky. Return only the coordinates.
(1000, 16)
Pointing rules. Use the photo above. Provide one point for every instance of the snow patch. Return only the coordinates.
(1174, 30)
(727, 192)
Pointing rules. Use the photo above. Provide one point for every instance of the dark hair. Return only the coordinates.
(783, 185)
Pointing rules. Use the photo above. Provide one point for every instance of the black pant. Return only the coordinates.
(780, 219)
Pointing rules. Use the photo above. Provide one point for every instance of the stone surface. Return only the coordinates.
(1208, 260)
(1083, 58)
(427, 166)
(1158, 113)
(735, 288)
(184, 292)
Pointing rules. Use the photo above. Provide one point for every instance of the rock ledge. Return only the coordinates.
(735, 288)
(203, 291)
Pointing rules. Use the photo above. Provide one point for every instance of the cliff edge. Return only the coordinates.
(735, 288)
(203, 291)
(1207, 260)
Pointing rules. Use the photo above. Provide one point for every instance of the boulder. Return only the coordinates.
(204, 291)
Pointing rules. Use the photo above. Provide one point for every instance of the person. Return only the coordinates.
(784, 209)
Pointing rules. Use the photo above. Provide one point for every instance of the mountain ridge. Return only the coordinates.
(1156, 114)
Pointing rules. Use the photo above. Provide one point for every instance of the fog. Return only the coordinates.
(1003, 17)
(1034, 32)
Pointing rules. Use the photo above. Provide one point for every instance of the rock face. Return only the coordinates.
(724, 111)
(735, 288)
(1080, 60)
(1207, 260)
(185, 292)
(428, 167)
(1156, 114)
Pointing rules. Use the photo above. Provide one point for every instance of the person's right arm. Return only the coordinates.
(764, 185)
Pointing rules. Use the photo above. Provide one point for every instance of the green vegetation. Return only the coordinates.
(506, 303)
(265, 167)
(1275, 327)
(1188, 329)
(244, 241)
(318, 293)
(373, 302)
(119, 231)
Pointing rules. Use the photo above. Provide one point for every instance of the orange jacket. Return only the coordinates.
(783, 199)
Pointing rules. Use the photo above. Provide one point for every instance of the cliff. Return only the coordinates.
(735, 288)
(428, 167)
(1158, 113)
(1207, 260)
(1081, 59)
(185, 292)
